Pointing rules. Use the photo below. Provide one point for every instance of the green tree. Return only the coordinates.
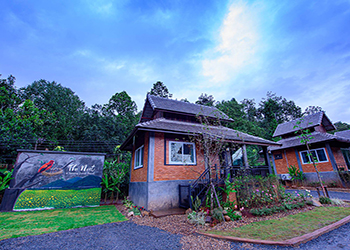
(274, 110)
(159, 89)
(204, 99)
(312, 110)
(62, 102)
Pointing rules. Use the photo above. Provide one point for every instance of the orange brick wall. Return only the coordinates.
(282, 166)
(339, 157)
(164, 172)
(140, 174)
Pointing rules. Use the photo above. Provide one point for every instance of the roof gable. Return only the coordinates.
(165, 104)
(307, 122)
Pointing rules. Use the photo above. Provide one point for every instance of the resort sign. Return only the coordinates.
(50, 179)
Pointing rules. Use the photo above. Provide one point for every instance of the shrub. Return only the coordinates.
(196, 218)
(324, 200)
(217, 214)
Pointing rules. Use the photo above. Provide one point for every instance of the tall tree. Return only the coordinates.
(274, 110)
(159, 89)
(207, 100)
(312, 110)
(62, 102)
(8, 93)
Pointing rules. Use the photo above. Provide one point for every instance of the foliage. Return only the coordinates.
(159, 89)
(228, 188)
(5, 180)
(196, 204)
(197, 218)
(206, 100)
(312, 110)
(115, 174)
(234, 215)
(325, 200)
(59, 148)
(255, 191)
(265, 211)
(34, 199)
(295, 173)
(21, 224)
(128, 203)
(217, 213)
(274, 110)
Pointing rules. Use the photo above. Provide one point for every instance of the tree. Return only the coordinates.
(305, 137)
(341, 126)
(204, 99)
(8, 93)
(312, 110)
(65, 105)
(274, 110)
(159, 89)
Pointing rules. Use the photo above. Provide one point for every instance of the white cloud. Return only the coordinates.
(238, 44)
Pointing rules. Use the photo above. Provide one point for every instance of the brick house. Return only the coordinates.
(325, 147)
(164, 157)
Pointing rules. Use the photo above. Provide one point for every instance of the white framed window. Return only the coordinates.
(138, 161)
(182, 153)
(318, 154)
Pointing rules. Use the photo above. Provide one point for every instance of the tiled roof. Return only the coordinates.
(317, 137)
(165, 125)
(185, 107)
(345, 133)
(307, 122)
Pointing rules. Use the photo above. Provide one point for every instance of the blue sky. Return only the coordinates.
(297, 49)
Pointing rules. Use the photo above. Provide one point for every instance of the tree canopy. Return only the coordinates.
(159, 89)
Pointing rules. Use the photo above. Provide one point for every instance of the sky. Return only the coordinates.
(229, 49)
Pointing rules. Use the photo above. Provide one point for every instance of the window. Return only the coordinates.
(182, 153)
(138, 163)
(319, 155)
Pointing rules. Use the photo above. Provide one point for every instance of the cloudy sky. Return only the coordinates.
(297, 49)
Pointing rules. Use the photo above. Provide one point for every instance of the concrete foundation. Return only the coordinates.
(156, 195)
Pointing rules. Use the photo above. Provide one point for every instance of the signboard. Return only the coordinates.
(50, 179)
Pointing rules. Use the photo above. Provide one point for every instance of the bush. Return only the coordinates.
(324, 200)
(196, 218)
(217, 214)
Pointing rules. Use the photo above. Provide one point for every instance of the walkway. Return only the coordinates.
(332, 194)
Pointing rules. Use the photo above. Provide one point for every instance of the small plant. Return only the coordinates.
(324, 200)
(196, 204)
(217, 214)
(295, 173)
(135, 210)
(5, 180)
(196, 218)
(128, 203)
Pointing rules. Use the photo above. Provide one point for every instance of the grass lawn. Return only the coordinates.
(18, 224)
(290, 226)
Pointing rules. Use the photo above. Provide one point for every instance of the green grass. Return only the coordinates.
(290, 226)
(18, 224)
